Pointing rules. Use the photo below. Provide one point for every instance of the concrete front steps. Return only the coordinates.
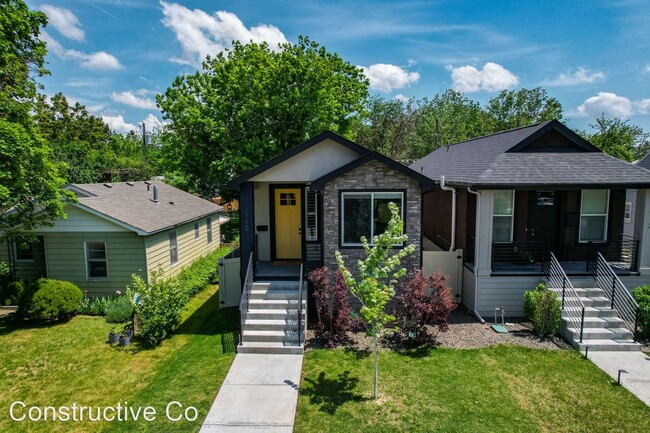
(271, 325)
(603, 329)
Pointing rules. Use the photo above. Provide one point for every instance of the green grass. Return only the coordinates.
(70, 362)
(497, 389)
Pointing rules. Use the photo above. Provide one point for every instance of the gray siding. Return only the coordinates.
(26, 270)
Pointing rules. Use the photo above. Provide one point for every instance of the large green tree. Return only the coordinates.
(86, 145)
(30, 182)
(250, 103)
(619, 138)
(515, 108)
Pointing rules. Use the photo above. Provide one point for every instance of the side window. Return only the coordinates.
(173, 248)
(208, 229)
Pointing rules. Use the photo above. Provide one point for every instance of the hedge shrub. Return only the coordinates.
(544, 309)
(159, 305)
(642, 296)
(54, 300)
(200, 273)
(120, 310)
(10, 292)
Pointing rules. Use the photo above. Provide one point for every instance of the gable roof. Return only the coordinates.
(507, 159)
(235, 183)
(319, 183)
(644, 162)
(131, 205)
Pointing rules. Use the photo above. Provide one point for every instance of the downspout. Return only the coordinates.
(476, 250)
(452, 245)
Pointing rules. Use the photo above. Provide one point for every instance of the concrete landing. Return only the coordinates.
(259, 394)
(637, 365)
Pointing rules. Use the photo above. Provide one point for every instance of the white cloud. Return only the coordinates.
(99, 61)
(401, 97)
(580, 76)
(385, 77)
(613, 105)
(646, 69)
(128, 98)
(490, 78)
(64, 21)
(117, 124)
(154, 123)
(201, 34)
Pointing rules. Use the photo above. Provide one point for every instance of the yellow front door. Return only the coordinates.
(288, 224)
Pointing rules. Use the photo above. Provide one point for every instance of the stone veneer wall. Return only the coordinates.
(370, 176)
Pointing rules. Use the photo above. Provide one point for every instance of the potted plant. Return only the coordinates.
(128, 330)
(113, 336)
(125, 339)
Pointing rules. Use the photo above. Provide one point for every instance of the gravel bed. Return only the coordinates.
(466, 332)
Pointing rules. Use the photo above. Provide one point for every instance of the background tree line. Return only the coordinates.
(245, 106)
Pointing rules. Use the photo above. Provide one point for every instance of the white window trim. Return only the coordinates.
(372, 214)
(606, 215)
(15, 251)
(178, 256)
(628, 212)
(208, 230)
(307, 191)
(88, 277)
(512, 219)
(197, 230)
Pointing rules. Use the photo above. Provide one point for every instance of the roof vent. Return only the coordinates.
(171, 203)
(108, 185)
(155, 194)
(129, 183)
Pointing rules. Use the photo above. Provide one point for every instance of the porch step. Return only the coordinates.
(270, 336)
(602, 322)
(588, 292)
(271, 325)
(600, 333)
(271, 348)
(596, 301)
(275, 304)
(601, 312)
(264, 293)
(266, 314)
(624, 345)
(276, 285)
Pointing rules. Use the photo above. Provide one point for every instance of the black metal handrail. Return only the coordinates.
(559, 283)
(300, 309)
(246, 296)
(531, 253)
(623, 253)
(620, 298)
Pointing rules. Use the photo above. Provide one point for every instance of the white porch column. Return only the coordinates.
(484, 234)
(642, 229)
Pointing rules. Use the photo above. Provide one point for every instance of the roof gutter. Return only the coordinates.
(476, 250)
(454, 194)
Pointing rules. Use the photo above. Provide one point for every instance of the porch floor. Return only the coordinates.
(277, 270)
(571, 268)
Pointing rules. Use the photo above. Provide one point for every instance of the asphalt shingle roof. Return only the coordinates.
(131, 204)
(490, 162)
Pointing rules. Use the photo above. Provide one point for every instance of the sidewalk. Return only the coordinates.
(637, 365)
(259, 394)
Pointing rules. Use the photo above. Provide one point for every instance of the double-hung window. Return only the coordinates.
(173, 248)
(503, 215)
(367, 214)
(96, 260)
(628, 212)
(593, 215)
(23, 250)
(208, 229)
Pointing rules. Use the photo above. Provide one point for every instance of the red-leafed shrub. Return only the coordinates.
(332, 307)
(421, 302)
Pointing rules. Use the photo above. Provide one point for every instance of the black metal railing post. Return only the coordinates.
(582, 323)
(613, 290)
(563, 290)
(636, 324)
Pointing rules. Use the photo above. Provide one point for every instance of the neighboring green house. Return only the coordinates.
(117, 230)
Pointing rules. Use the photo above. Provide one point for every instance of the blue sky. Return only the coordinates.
(593, 56)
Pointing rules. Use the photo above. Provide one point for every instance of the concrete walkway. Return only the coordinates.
(637, 365)
(259, 394)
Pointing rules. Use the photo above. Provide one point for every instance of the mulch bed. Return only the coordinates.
(465, 332)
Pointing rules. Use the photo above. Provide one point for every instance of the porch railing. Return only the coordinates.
(559, 283)
(300, 309)
(246, 296)
(620, 298)
(622, 253)
(519, 256)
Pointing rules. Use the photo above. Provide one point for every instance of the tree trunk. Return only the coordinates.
(374, 341)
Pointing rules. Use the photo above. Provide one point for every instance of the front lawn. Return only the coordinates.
(70, 363)
(495, 389)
